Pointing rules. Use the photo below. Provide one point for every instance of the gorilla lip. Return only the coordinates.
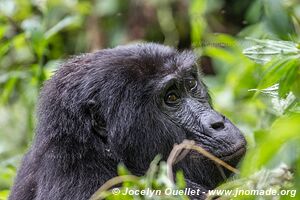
(238, 153)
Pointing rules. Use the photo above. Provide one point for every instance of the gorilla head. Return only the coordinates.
(126, 104)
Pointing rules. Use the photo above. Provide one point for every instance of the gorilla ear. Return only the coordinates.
(97, 121)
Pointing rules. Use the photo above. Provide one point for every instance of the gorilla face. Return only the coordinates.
(186, 103)
(162, 101)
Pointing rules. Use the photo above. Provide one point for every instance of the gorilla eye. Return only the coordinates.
(171, 98)
(192, 83)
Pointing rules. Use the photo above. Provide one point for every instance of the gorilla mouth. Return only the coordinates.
(231, 157)
(236, 154)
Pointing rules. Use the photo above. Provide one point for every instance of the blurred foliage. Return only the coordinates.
(250, 58)
(155, 179)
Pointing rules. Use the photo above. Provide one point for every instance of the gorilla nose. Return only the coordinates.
(218, 125)
(213, 122)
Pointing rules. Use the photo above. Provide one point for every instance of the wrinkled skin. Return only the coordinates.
(126, 104)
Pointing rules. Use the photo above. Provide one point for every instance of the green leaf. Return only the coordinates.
(4, 48)
(180, 181)
(4, 194)
(67, 21)
(34, 30)
(288, 79)
(198, 25)
(278, 20)
(296, 86)
(266, 50)
(254, 13)
(276, 69)
(220, 54)
(7, 90)
(283, 130)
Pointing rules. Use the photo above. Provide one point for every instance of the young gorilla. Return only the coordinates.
(127, 105)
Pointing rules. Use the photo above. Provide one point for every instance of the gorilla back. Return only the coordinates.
(125, 104)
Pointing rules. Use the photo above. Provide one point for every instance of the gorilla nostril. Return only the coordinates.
(218, 126)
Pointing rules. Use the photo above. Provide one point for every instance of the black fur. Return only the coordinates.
(108, 107)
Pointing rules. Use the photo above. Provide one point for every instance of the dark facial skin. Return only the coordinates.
(186, 102)
(123, 105)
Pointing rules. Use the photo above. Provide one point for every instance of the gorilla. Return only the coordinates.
(123, 105)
